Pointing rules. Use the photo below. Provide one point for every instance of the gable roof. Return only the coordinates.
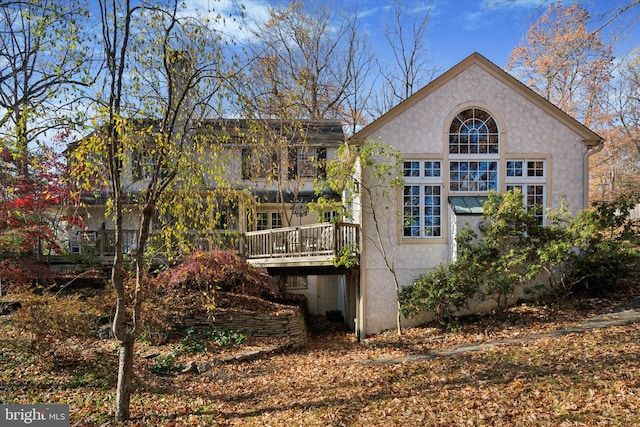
(589, 137)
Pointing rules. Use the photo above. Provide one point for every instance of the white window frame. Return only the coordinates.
(267, 220)
(422, 176)
(474, 167)
(531, 179)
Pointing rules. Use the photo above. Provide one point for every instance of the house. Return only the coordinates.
(269, 164)
(473, 129)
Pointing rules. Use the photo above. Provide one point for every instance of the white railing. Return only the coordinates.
(308, 240)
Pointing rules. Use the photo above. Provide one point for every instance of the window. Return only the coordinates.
(144, 165)
(528, 176)
(268, 220)
(257, 164)
(474, 152)
(473, 131)
(331, 216)
(276, 220)
(476, 177)
(307, 162)
(262, 221)
(422, 199)
(297, 283)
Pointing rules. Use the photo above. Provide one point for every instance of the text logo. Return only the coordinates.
(34, 415)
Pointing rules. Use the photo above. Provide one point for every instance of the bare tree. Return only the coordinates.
(410, 68)
(615, 171)
(626, 99)
(305, 66)
(303, 62)
(43, 56)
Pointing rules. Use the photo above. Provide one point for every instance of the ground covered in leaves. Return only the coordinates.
(582, 379)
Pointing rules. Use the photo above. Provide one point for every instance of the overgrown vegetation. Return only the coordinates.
(334, 382)
(166, 364)
(51, 313)
(23, 274)
(218, 270)
(593, 251)
(202, 340)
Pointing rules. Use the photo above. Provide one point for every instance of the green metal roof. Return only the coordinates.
(467, 205)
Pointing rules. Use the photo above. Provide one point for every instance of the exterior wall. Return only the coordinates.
(421, 132)
(323, 294)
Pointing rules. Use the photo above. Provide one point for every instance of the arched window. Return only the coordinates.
(474, 152)
(473, 131)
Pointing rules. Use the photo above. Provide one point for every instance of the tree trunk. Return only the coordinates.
(125, 374)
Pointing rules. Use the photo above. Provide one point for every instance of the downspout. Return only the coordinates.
(591, 150)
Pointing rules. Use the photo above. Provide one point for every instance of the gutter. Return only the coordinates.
(591, 150)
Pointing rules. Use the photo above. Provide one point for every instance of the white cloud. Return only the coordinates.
(233, 18)
(513, 4)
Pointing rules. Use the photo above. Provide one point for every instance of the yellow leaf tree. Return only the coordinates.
(163, 75)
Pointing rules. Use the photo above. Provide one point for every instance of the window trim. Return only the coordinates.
(490, 159)
(418, 175)
(525, 181)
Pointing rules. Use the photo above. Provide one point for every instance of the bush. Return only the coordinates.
(607, 249)
(21, 275)
(440, 291)
(53, 319)
(602, 265)
(198, 340)
(596, 250)
(165, 365)
(218, 270)
(430, 291)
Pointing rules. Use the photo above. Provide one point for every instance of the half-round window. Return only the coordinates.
(473, 131)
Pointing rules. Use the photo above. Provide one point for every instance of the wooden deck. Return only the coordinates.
(303, 246)
(307, 246)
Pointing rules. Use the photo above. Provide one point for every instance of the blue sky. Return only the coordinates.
(458, 28)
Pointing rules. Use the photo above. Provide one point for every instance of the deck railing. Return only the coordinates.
(326, 239)
(101, 243)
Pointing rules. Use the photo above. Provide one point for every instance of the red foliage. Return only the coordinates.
(24, 274)
(26, 202)
(218, 270)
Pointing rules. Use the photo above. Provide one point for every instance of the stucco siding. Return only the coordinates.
(420, 131)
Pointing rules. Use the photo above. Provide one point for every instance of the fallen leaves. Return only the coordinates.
(588, 378)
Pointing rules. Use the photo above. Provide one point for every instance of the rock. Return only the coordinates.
(204, 367)
(8, 307)
(190, 368)
(104, 332)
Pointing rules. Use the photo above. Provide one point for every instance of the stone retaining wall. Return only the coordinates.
(287, 324)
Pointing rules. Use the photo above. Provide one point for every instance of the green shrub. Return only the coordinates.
(165, 365)
(438, 291)
(228, 337)
(200, 340)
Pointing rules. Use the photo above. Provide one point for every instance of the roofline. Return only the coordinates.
(589, 137)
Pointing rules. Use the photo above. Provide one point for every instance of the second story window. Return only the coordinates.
(474, 152)
(258, 163)
(307, 162)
